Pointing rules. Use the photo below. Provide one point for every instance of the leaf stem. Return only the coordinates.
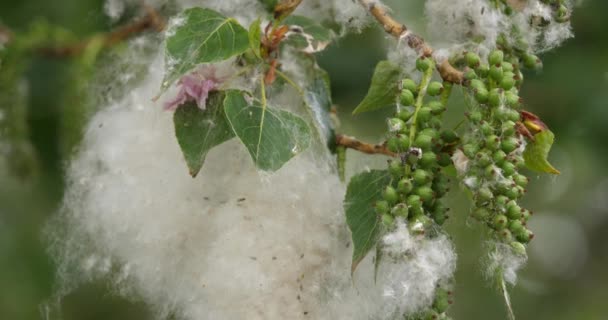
(426, 79)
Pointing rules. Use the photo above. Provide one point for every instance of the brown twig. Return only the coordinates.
(352, 143)
(151, 21)
(400, 31)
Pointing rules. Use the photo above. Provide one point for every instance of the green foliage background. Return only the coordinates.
(570, 95)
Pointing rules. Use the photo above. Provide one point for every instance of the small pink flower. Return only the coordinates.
(195, 87)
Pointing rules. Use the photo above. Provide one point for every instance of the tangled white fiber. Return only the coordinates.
(233, 243)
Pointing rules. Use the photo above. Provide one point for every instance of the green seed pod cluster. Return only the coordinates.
(493, 148)
(415, 134)
(418, 180)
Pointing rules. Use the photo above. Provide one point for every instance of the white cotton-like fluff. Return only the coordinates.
(452, 24)
(475, 24)
(503, 259)
(349, 14)
(413, 267)
(246, 11)
(233, 243)
(405, 57)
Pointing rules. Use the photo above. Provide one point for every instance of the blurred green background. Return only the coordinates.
(567, 274)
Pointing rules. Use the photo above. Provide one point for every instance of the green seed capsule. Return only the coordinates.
(475, 116)
(381, 207)
(413, 201)
(513, 115)
(405, 186)
(404, 142)
(521, 180)
(496, 73)
(428, 159)
(434, 88)
(481, 214)
(388, 221)
(500, 222)
(444, 159)
(508, 169)
(405, 114)
(430, 132)
(396, 169)
(490, 172)
(507, 66)
(495, 97)
(483, 70)
(501, 201)
(407, 97)
(508, 128)
(532, 62)
(449, 136)
(423, 64)
(481, 95)
(470, 75)
(492, 142)
(499, 156)
(525, 215)
(424, 114)
(435, 123)
(390, 195)
(421, 177)
(436, 107)
(496, 57)
(513, 193)
(423, 142)
(516, 226)
(507, 82)
(562, 14)
(409, 84)
(513, 210)
(512, 99)
(524, 236)
(483, 159)
(400, 210)
(505, 235)
(500, 114)
(509, 145)
(393, 144)
(441, 304)
(395, 124)
(472, 59)
(478, 84)
(426, 193)
(518, 248)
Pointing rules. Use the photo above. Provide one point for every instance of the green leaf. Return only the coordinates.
(384, 89)
(362, 193)
(205, 36)
(537, 151)
(313, 38)
(198, 131)
(271, 136)
(255, 37)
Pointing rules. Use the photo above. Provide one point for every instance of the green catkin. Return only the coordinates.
(493, 147)
(419, 182)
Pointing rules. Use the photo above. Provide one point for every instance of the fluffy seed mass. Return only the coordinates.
(233, 243)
